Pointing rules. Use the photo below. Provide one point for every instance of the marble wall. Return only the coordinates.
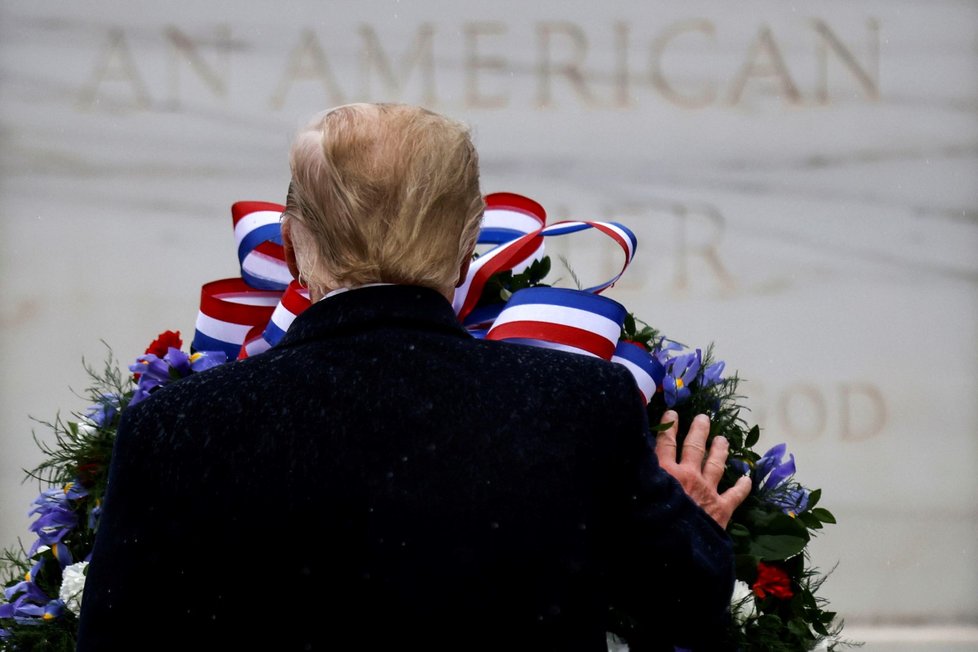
(801, 177)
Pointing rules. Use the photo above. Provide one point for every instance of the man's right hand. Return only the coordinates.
(699, 471)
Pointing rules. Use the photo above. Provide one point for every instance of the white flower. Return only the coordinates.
(86, 428)
(72, 585)
(742, 603)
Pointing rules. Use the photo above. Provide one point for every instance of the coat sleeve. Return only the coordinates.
(120, 573)
(672, 565)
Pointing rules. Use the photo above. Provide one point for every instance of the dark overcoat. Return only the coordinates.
(381, 480)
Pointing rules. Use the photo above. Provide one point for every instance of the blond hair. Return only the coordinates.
(383, 193)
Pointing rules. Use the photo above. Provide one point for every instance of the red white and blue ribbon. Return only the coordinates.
(560, 318)
(644, 366)
(232, 313)
(518, 253)
(248, 315)
(258, 235)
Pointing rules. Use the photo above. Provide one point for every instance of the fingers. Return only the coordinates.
(665, 441)
(732, 498)
(716, 461)
(694, 447)
(736, 494)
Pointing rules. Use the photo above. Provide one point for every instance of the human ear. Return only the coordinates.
(290, 258)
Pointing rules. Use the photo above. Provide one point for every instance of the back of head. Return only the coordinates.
(383, 193)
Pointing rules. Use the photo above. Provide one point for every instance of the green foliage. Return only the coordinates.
(501, 286)
(79, 453)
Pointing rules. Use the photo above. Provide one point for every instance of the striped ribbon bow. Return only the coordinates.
(247, 315)
(581, 321)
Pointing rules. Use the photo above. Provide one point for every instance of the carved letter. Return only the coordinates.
(764, 43)
(623, 98)
(116, 65)
(870, 81)
(707, 250)
(547, 69)
(871, 420)
(474, 63)
(709, 92)
(374, 57)
(182, 48)
(307, 61)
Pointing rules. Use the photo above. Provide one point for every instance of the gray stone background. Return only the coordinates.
(801, 178)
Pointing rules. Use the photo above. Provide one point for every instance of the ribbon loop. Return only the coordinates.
(248, 315)
(258, 234)
(570, 320)
(504, 211)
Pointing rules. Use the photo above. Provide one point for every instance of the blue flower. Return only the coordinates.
(53, 609)
(712, 374)
(664, 349)
(792, 499)
(26, 602)
(102, 413)
(184, 364)
(75, 490)
(55, 519)
(93, 517)
(739, 465)
(680, 372)
(204, 360)
(772, 477)
(771, 470)
(155, 372)
(152, 372)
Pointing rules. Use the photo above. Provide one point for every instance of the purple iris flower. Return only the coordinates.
(664, 349)
(772, 475)
(93, 517)
(204, 360)
(54, 609)
(740, 465)
(48, 499)
(791, 499)
(179, 362)
(680, 372)
(55, 518)
(155, 371)
(35, 570)
(25, 602)
(102, 413)
(183, 364)
(771, 470)
(75, 490)
(63, 554)
(712, 375)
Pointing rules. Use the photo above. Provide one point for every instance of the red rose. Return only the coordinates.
(163, 342)
(772, 580)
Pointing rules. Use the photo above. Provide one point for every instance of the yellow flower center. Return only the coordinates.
(679, 383)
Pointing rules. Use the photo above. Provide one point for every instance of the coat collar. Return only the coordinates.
(400, 306)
